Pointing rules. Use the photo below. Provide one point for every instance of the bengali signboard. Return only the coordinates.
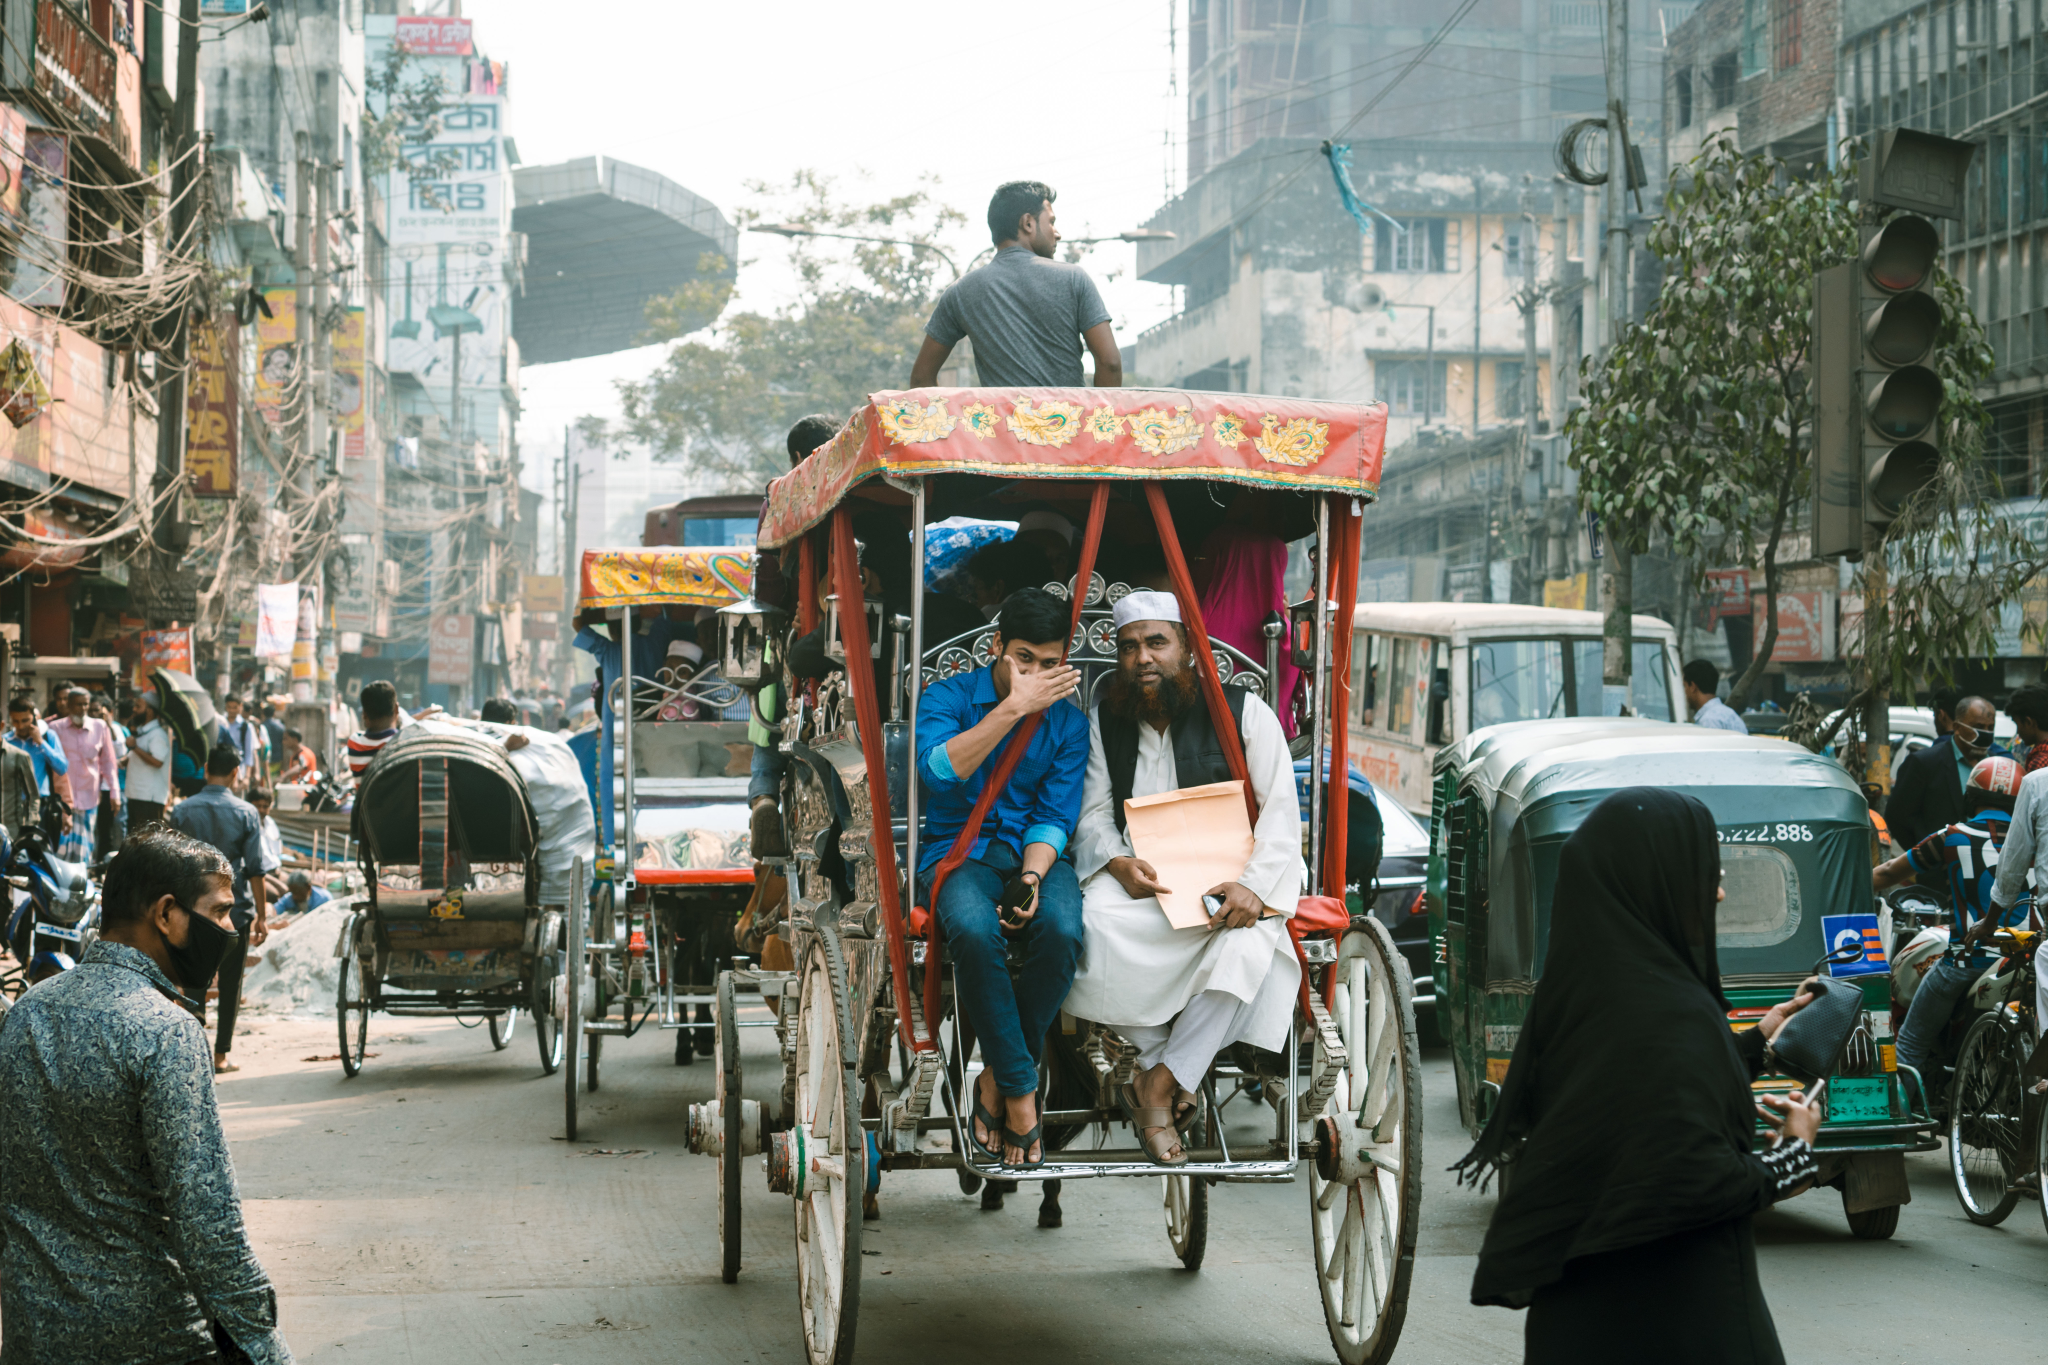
(453, 183)
(163, 649)
(213, 419)
(451, 649)
(277, 352)
(1727, 593)
(1566, 593)
(346, 382)
(1806, 626)
(431, 36)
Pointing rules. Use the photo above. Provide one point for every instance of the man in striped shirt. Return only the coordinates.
(381, 719)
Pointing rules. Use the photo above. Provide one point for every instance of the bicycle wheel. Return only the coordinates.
(1984, 1123)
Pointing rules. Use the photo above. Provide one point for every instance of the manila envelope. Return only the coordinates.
(1195, 838)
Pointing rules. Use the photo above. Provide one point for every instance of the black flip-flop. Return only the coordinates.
(990, 1122)
(1024, 1142)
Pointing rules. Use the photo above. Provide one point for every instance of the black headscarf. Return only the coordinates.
(1625, 1116)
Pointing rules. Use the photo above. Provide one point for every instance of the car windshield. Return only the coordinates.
(1535, 679)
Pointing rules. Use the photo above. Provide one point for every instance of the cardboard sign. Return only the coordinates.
(1195, 838)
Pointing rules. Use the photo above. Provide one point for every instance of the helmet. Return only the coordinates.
(1995, 781)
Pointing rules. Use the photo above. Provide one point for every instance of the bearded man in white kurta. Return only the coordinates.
(1180, 995)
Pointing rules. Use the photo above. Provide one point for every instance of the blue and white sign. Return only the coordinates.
(1843, 931)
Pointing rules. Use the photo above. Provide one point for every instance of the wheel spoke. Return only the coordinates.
(1357, 1269)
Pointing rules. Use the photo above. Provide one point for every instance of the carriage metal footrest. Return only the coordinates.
(1329, 1059)
(903, 1118)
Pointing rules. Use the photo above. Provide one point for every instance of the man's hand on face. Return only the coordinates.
(1033, 692)
(1136, 877)
(1241, 909)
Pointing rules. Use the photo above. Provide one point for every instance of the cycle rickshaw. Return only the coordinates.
(673, 782)
(452, 924)
(1795, 862)
(871, 1035)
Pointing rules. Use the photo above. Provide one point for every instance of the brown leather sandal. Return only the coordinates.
(1163, 1144)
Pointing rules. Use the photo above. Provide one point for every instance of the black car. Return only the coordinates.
(1396, 901)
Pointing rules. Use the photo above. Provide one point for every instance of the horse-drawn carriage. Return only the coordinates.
(875, 1056)
(452, 923)
(675, 872)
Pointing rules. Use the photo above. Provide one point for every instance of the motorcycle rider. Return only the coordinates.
(1968, 855)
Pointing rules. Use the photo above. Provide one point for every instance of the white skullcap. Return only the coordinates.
(687, 650)
(1047, 521)
(1146, 606)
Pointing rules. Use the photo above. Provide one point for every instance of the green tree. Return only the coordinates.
(724, 403)
(1697, 427)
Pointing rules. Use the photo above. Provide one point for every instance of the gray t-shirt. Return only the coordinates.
(1025, 315)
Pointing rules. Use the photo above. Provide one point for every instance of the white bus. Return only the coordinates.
(1426, 674)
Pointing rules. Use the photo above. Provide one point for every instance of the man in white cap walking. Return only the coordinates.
(1180, 995)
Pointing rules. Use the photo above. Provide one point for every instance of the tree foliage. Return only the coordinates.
(1697, 428)
(725, 402)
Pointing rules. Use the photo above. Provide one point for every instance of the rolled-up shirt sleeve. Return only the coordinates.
(940, 718)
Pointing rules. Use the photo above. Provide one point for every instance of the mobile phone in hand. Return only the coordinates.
(1213, 903)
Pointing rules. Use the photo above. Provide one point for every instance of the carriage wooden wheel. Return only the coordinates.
(1365, 1185)
(828, 1157)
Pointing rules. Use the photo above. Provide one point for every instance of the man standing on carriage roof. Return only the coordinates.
(1181, 996)
(1013, 881)
(1027, 314)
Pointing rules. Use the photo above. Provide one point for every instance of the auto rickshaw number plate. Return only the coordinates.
(1858, 1099)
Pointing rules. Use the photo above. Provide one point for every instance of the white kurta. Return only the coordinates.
(1138, 969)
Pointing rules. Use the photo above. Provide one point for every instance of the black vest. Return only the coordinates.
(1197, 753)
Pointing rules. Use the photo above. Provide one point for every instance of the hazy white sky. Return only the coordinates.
(876, 94)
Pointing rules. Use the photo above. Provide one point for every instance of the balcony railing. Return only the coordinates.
(77, 72)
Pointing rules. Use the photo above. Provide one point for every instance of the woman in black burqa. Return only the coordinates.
(1625, 1228)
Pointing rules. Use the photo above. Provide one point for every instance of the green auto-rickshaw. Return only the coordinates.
(1795, 860)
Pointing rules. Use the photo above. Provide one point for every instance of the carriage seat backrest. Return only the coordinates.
(488, 907)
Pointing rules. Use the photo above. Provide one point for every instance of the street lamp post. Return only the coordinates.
(799, 230)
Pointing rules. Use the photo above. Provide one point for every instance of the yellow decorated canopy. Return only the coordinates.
(1148, 434)
(664, 575)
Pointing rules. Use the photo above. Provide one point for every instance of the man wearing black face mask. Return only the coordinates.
(217, 816)
(121, 1234)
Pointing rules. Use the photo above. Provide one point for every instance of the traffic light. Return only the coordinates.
(1876, 391)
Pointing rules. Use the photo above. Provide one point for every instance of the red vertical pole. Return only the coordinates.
(1198, 643)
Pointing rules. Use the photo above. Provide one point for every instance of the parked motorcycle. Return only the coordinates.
(53, 906)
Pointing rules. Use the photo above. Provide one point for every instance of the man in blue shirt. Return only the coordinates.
(1967, 855)
(962, 724)
(47, 756)
(218, 817)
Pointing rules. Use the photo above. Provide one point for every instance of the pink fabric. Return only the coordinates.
(1247, 581)
(95, 761)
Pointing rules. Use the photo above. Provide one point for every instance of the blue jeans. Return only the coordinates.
(1010, 1018)
(1932, 1005)
(765, 776)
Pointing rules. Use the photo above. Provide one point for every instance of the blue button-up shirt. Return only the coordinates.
(1042, 803)
(48, 756)
(214, 815)
(121, 1234)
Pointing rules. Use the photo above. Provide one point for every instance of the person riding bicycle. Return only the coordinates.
(1968, 855)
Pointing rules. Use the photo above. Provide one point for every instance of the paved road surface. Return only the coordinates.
(427, 1213)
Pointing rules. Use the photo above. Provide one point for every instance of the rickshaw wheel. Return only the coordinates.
(1365, 1186)
(574, 943)
(502, 1027)
(547, 1029)
(1874, 1225)
(725, 1048)
(351, 998)
(1187, 1201)
(830, 1172)
(1985, 1109)
(2041, 1158)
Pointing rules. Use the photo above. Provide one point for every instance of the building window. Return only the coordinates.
(1198, 34)
(1721, 77)
(1416, 244)
(1681, 97)
(1407, 385)
(1756, 35)
(1511, 248)
(1507, 390)
(1788, 26)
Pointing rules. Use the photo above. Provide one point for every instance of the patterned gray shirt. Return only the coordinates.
(121, 1231)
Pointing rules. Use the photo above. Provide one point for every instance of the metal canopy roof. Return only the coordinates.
(603, 238)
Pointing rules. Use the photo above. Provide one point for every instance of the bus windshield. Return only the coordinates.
(1540, 679)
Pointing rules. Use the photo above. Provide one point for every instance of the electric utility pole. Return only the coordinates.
(170, 431)
(1617, 592)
